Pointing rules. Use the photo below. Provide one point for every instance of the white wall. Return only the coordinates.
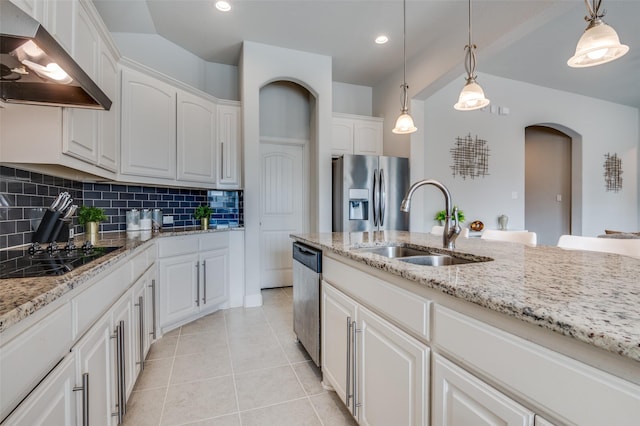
(603, 126)
(260, 65)
(285, 111)
(352, 98)
(156, 52)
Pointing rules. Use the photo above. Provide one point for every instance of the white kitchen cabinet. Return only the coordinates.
(54, 400)
(357, 135)
(229, 147)
(379, 371)
(81, 139)
(460, 399)
(196, 138)
(96, 355)
(123, 316)
(194, 277)
(338, 311)
(148, 126)
(91, 135)
(178, 288)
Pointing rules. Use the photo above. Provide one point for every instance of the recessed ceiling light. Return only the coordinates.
(223, 6)
(382, 39)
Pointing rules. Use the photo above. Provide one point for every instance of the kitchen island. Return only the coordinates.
(556, 332)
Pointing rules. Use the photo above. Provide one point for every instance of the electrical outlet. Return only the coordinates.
(167, 220)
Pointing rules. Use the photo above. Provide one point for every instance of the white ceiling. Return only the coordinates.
(527, 40)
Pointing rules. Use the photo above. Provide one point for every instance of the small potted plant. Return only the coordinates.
(441, 215)
(90, 217)
(203, 213)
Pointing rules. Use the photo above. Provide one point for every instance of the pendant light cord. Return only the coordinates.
(405, 87)
(470, 57)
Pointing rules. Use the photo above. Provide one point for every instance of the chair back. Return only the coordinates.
(522, 237)
(630, 247)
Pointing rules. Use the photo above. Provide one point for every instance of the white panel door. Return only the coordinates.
(196, 139)
(215, 278)
(179, 296)
(393, 372)
(460, 399)
(283, 200)
(53, 402)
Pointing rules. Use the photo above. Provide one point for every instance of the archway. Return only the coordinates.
(552, 181)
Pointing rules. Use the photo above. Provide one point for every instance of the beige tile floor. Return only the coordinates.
(234, 367)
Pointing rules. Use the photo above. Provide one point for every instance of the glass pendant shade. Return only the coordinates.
(404, 124)
(599, 44)
(471, 97)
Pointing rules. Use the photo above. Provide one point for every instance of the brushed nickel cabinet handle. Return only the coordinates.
(85, 398)
(204, 287)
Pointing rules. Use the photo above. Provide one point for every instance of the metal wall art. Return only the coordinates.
(470, 157)
(612, 171)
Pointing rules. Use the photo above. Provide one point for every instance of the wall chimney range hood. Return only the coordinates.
(35, 68)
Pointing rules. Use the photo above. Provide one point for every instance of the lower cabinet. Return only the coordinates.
(460, 399)
(54, 400)
(96, 355)
(378, 370)
(98, 370)
(193, 277)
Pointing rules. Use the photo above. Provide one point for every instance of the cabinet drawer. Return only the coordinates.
(142, 261)
(177, 246)
(575, 392)
(406, 309)
(89, 305)
(28, 358)
(214, 240)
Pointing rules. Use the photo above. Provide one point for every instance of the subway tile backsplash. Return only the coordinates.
(24, 195)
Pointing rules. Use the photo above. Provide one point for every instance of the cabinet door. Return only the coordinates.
(53, 402)
(58, 20)
(139, 326)
(108, 136)
(393, 374)
(196, 139)
(150, 309)
(461, 399)
(215, 278)
(179, 298)
(123, 314)
(148, 144)
(367, 137)
(342, 136)
(95, 354)
(338, 311)
(229, 147)
(81, 139)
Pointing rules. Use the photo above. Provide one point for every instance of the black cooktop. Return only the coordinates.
(42, 262)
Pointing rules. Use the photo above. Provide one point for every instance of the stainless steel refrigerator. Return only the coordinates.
(367, 193)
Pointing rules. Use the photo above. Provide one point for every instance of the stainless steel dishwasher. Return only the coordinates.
(307, 269)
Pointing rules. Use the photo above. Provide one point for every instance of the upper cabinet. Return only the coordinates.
(148, 133)
(196, 139)
(82, 140)
(229, 147)
(170, 135)
(355, 134)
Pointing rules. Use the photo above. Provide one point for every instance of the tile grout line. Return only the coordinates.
(233, 371)
(166, 394)
(291, 366)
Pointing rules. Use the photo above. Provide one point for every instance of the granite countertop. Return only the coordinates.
(593, 297)
(21, 297)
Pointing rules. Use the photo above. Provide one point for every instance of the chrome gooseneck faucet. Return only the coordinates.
(450, 232)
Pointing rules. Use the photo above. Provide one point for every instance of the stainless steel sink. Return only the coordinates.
(394, 251)
(435, 260)
(424, 257)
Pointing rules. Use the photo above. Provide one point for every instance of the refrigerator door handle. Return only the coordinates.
(383, 198)
(375, 198)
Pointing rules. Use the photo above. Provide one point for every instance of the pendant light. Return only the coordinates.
(472, 95)
(404, 123)
(599, 43)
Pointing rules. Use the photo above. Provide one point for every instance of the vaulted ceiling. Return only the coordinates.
(527, 40)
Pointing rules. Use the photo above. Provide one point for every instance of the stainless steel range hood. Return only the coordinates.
(35, 68)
